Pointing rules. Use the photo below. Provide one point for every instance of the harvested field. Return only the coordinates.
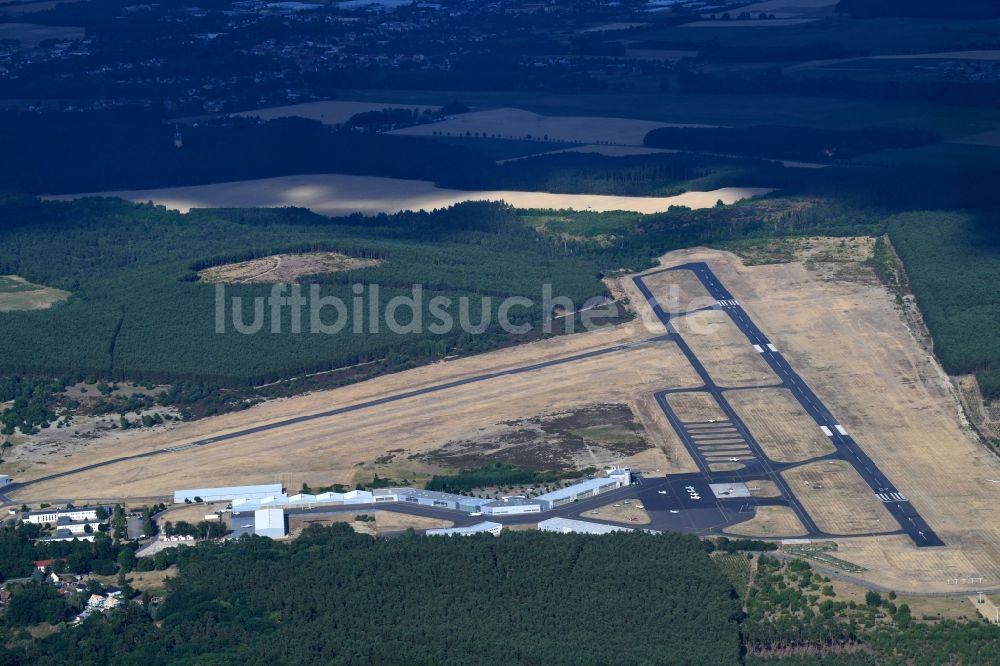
(769, 521)
(336, 194)
(508, 123)
(283, 268)
(838, 499)
(331, 449)
(620, 512)
(16, 293)
(726, 353)
(695, 407)
(329, 113)
(779, 424)
(678, 291)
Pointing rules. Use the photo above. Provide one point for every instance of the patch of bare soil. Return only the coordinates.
(283, 268)
(589, 437)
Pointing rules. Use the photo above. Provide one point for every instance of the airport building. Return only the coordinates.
(511, 506)
(5, 480)
(431, 498)
(303, 500)
(53, 516)
(479, 528)
(568, 526)
(617, 478)
(269, 523)
(227, 494)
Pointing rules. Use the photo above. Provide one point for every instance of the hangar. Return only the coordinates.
(226, 494)
(269, 523)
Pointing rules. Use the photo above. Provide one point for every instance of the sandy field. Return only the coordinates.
(509, 123)
(31, 35)
(335, 194)
(283, 268)
(329, 113)
(777, 421)
(769, 521)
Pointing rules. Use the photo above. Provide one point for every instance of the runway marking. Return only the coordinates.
(840, 429)
(826, 431)
(760, 350)
(891, 497)
(771, 347)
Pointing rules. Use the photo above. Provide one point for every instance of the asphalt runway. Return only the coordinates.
(334, 412)
(846, 448)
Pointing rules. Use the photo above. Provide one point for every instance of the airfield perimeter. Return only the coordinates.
(844, 357)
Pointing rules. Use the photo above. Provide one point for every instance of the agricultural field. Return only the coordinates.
(336, 195)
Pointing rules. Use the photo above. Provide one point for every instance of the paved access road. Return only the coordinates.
(847, 449)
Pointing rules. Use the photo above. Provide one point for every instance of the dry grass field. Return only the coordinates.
(763, 488)
(620, 512)
(336, 449)
(779, 424)
(283, 268)
(838, 499)
(337, 194)
(16, 293)
(385, 521)
(769, 521)
(726, 353)
(695, 407)
(678, 291)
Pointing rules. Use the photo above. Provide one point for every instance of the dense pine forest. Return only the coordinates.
(953, 265)
(137, 311)
(333, 596)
